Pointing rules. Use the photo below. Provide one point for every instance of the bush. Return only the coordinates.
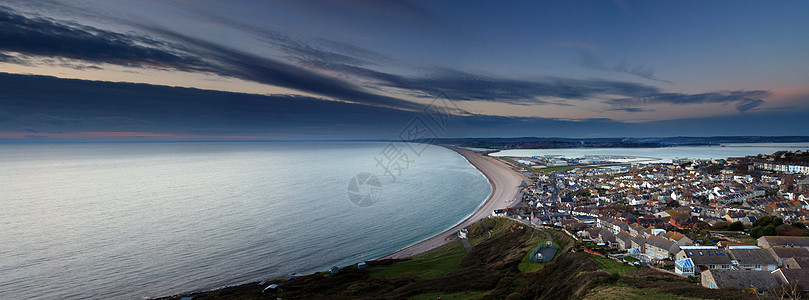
(767, 220)
(736, 226)
(758, 232)
(767, 230)
(783, 229)
(721, 225)
(765, 226)
(755, 232)
(751, 291)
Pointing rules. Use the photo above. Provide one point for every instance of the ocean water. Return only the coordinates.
(128, 221)
(668, 153)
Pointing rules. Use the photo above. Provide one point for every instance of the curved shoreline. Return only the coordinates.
(505, 185)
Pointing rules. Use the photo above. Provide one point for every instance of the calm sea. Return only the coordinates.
(152, 219)
(667, 153)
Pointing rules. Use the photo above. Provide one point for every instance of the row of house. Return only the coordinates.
(794, 168)
(748, 266)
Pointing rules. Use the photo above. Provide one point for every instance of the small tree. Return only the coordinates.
(722, 225)
(736, 226)
(755, 232)
(787, 291)
(768, 230)
(784, 229)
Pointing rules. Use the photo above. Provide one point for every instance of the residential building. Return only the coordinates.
(660, 248)
(752, 258)
(783, 253)
(705, 257)
(799, 277)
(740, 279)
(783, 241)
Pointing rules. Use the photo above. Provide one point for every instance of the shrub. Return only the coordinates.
(721, 225)
(767, 220)
(765, 226)
(767, 230)
(736, 226)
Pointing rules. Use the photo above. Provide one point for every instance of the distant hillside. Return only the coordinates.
(617, 142)
(497, 268)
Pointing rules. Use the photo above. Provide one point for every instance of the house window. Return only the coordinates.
(725, 266)
(713, 285)
(711, 266)
(758, 267)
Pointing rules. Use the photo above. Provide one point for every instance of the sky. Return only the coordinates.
(360, 69)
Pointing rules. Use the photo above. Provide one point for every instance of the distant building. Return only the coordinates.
(783, 253)
(526, 162)
(783, 241)
(789, 168)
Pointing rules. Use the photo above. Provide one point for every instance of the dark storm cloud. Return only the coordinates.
(468, 86)
(748, 104)
(327, 51)
(589, 60)
(250, 67)
(45, 37)
(632, 109)
(744, 100)
(471, 87)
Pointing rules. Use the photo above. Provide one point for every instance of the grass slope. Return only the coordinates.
(428, 265)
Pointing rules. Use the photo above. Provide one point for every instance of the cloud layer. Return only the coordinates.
(744, 100)
(79, 108)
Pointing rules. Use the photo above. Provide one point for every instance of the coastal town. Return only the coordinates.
(733, 223)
